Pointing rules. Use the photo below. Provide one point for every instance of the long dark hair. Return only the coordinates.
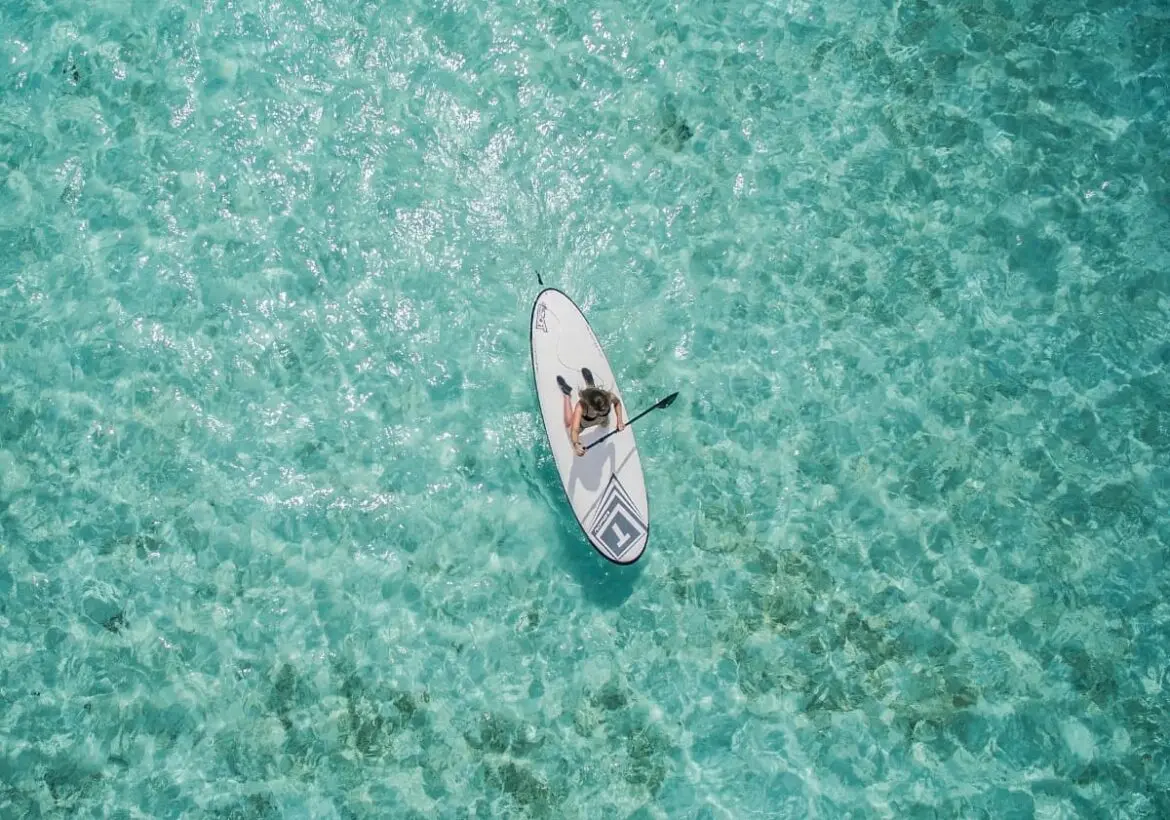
(596, 400)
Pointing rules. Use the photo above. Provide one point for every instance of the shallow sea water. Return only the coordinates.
(280, 535)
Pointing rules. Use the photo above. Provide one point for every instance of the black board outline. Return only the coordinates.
(548, 435)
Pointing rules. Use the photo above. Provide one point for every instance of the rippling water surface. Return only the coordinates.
(280, 535)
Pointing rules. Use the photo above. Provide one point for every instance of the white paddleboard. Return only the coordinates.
(605, 486)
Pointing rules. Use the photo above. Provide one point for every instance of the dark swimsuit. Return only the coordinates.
(593, 421)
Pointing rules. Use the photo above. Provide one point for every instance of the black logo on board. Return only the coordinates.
(541, 312)
(617, 524)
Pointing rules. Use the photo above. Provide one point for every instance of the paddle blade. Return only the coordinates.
(669, 400)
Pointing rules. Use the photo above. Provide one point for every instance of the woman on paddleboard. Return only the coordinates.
(591, 410)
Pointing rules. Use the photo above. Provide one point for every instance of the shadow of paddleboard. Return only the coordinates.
(603, 583)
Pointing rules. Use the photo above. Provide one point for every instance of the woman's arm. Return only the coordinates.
(617, 412)
(575, 431)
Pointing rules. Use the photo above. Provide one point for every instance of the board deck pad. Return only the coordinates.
(605, 487)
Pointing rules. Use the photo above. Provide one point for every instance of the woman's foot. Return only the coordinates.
(588, 376)
(564, 385)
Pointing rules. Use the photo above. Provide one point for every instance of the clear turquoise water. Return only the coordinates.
(279, 532)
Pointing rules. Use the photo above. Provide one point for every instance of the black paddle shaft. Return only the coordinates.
(662, 405)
